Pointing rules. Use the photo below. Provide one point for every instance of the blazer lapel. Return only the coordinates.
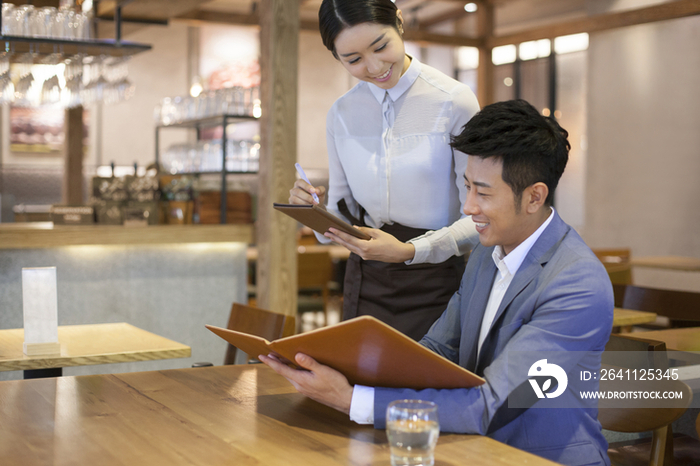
(536, 259)
(473, 313)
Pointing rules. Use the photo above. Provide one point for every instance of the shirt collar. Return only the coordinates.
(405, 81)
(514, 260)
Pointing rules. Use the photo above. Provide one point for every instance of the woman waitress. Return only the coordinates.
(392, 171)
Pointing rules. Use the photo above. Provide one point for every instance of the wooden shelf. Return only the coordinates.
(45, 235)
(216, 120)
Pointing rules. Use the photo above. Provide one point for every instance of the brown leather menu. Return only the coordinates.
(367, 351)
(318, 219)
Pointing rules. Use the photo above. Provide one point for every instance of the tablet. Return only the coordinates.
(319, 219)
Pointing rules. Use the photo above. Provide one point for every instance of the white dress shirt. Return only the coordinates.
(388, 151)
(362, 404)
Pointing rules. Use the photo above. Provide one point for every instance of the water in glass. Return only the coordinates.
(412, 429)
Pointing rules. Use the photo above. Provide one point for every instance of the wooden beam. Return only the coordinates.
(208, 16)
(73, 165)
(417, 35)
(312, 25)
(276, 233)
(218, 17)
(148, 9)
(661, 12)
(451, 15)
(484, 86)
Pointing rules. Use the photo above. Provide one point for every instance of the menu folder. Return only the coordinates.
(318, 219)
(365, 350)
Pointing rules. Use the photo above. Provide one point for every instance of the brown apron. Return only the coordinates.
(407, 297)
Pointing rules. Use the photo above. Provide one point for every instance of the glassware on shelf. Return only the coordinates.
(211, 157)
(28, 21)
(234, 101)
(207, 156)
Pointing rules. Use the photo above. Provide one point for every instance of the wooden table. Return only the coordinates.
(679, 339)
(688, 264)
(626, 317)
(224, 415)
(83, 345)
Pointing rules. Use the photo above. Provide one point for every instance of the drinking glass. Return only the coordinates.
(7, 88)
(22, 15)
(41, 21)
(412, 428)
(81, 26)
(8, 11)
(50, 91)
(73, 75)
(69, 23)
(26, 78)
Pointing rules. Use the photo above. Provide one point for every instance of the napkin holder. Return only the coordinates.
(40, 306)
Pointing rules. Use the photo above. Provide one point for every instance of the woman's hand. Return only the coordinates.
(318, 382)
(382, 247)
(301, 193)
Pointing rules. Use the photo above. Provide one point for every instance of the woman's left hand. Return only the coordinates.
(382, 247)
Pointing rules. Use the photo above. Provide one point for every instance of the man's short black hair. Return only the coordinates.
(533, 148)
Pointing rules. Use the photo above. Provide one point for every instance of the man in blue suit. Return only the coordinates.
(532, 286)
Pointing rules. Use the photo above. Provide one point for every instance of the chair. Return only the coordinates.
(617, 264)
(315, 273)
(658, 450)
(681, 307)
(260, 322)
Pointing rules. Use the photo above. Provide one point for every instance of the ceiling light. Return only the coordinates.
(470, 7)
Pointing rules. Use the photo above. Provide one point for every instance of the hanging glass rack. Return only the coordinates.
(40, 47)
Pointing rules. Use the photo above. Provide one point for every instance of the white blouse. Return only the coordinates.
(389, 152)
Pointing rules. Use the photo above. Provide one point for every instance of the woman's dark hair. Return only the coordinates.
(533, 148)
(336, 15)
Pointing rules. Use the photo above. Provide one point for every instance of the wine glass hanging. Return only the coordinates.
(63, 74)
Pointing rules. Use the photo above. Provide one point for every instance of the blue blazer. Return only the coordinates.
(560, 300)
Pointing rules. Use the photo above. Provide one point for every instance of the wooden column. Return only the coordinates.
(73, 167)
(275, 232)
(485, 72)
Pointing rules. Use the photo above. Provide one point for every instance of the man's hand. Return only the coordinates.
(318, 382)
(382, 247)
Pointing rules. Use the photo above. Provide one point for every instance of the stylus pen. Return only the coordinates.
(305, 178)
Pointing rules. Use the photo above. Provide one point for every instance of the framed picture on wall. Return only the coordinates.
(40, 130)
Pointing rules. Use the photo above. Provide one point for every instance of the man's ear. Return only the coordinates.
(536, 197)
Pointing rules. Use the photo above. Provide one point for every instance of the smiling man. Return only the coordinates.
(531, 285)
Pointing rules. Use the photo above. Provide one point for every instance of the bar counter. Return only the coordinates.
(35, 235)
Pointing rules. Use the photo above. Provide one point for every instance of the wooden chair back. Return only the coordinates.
(314, 274)
(617, 264)
(676, 305)
(315, 269)
(265, 324)
(613, 416)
